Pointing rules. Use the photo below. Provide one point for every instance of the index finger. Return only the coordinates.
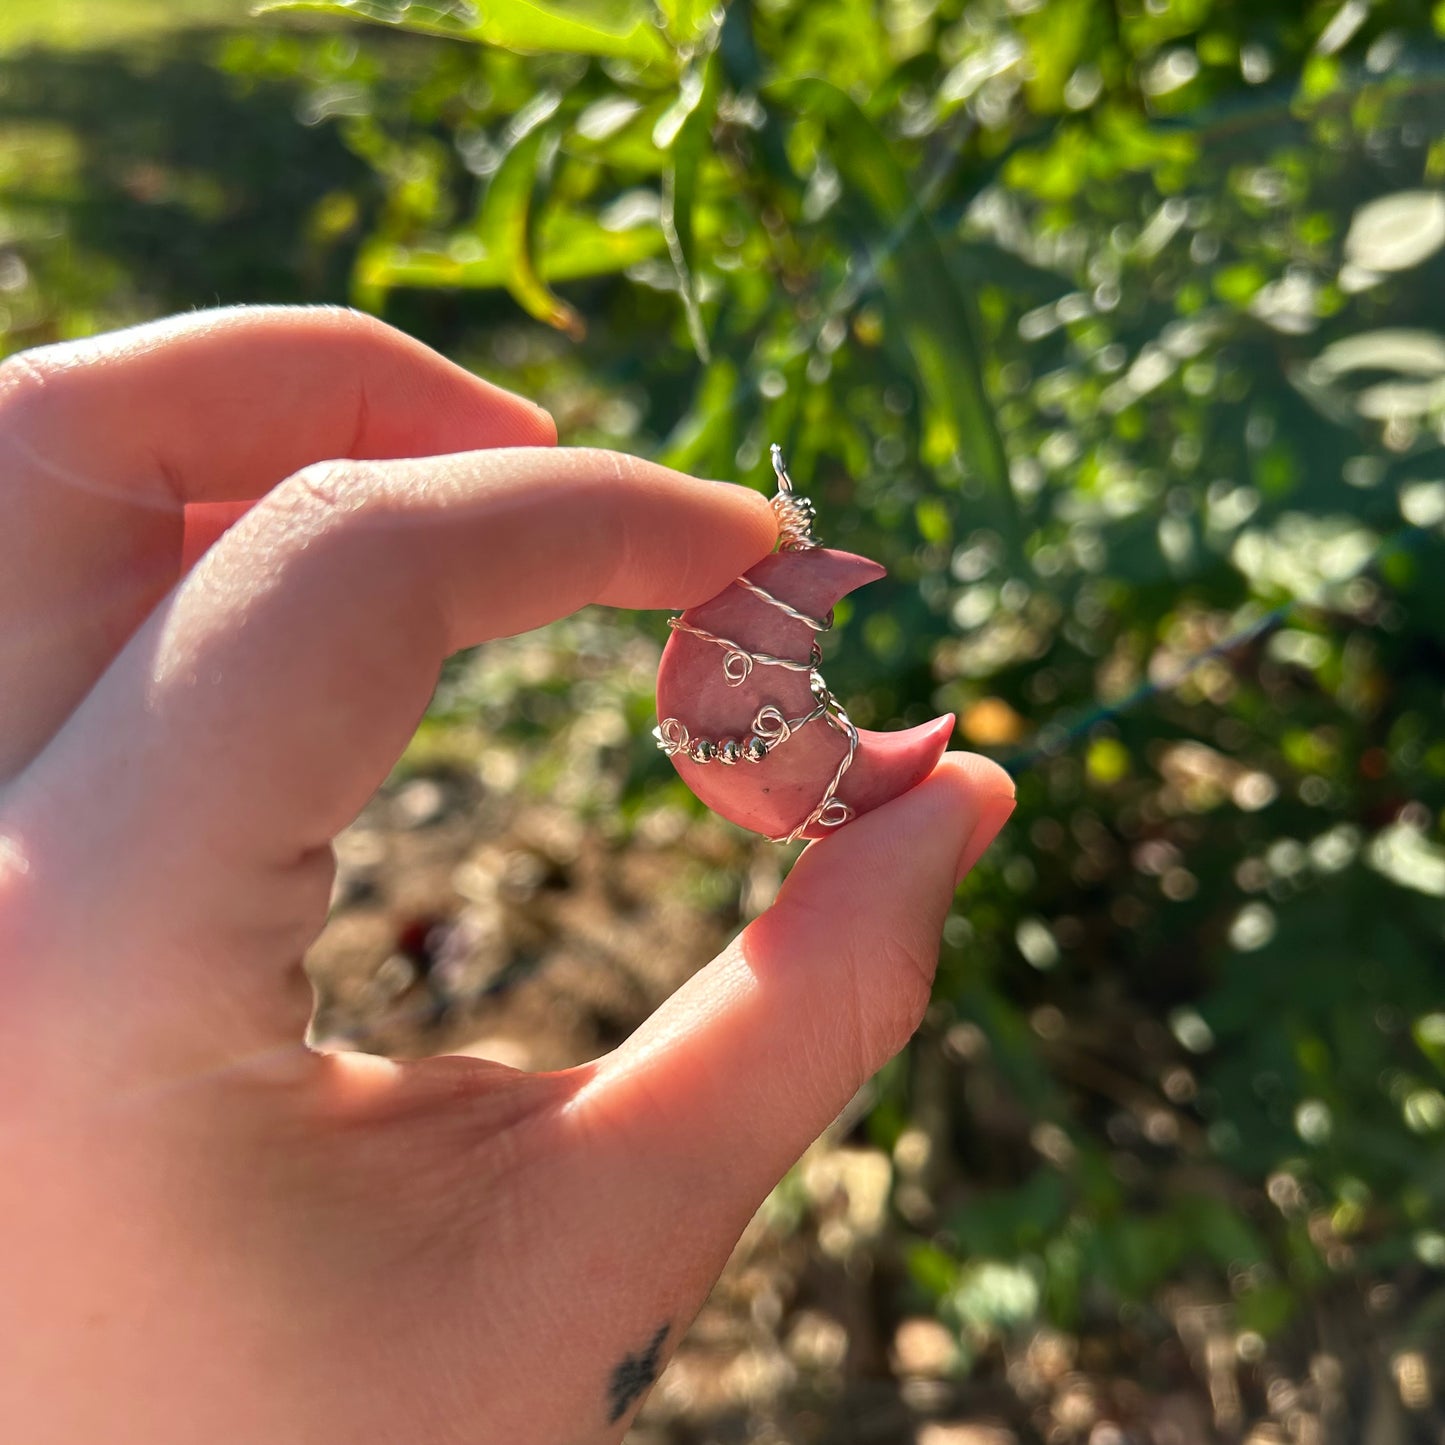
(260, 707)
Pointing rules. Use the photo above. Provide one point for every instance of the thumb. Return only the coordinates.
(743, 1067)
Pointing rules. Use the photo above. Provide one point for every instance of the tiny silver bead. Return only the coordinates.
(702, 751)
(729, 751)
(756, 750)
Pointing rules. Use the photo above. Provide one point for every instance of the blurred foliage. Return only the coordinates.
(1116, 331)
(91, 24)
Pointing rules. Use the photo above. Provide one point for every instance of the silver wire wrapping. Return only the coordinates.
(770, 729)
(795, 514)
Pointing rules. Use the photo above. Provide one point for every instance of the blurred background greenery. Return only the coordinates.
(1116, 329)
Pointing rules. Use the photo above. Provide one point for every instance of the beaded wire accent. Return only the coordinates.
(770, 728)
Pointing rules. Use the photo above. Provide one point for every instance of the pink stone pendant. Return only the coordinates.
(746, 716)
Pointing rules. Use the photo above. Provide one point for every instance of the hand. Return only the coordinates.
(208, 1232)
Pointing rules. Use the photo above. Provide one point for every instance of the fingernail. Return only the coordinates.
(993, 813)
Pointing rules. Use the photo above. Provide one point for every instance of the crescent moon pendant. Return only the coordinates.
(747, 718)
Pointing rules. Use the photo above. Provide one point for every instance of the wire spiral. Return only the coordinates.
(770, 728)
(738, 664)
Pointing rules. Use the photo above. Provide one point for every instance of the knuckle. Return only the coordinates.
(318, 514)
(47, 391)
(337, 521)
(28, 377)
(325, 493)
(374, 348)
(885, 984)
(609, 468)
(315, 873)
(529, 424)
(907, 965)
(893, 984)
(303, 902)
(357, 325)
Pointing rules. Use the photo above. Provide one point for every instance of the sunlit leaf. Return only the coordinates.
(686, 20)
(568, 248)
(620, 29)
(506, 232)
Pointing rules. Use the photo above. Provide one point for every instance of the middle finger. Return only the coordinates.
(104, 444)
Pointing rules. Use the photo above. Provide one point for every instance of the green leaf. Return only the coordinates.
(569, 247)
(689, 138)
(686, 20)
(506, 232)
(923, 295)
(618, 29)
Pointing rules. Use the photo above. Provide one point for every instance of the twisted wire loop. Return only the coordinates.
(770, 728)
(738, 664)
(795, 514)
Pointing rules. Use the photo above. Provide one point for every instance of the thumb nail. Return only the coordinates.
(992, 815)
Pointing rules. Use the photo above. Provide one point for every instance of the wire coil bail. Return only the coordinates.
(795, 513)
